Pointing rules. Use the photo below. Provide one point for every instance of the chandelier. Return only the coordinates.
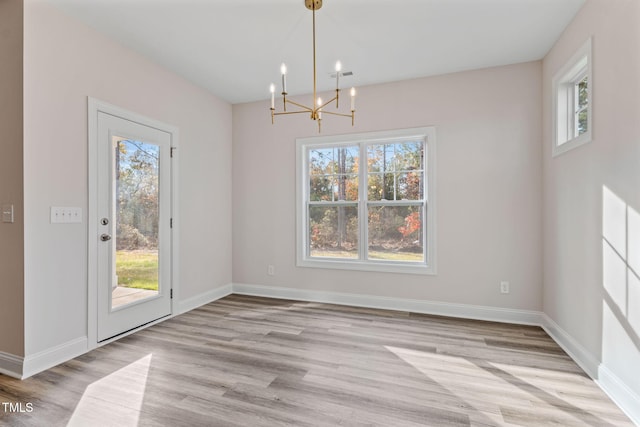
(318, 106)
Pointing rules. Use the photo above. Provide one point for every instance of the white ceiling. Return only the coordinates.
(234, 47)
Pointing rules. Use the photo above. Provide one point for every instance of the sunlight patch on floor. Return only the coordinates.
(519, 390)
(115, 399)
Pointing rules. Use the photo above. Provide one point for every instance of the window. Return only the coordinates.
(366, 201)
(573, 101)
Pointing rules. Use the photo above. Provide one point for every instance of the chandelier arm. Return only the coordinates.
(291, 112)
(337, 114)
(327, 103)
(307, 109)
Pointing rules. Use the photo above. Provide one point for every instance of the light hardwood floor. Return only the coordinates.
(251, 361)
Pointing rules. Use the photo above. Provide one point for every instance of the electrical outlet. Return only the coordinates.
(504, 287)
(271, 270)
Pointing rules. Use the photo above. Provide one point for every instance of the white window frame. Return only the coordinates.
(565, 112)
(303, 259)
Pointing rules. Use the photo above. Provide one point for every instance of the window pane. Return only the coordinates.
(333, 174)
(332, 188)
(395, 157)
(136, 170)
(583, 93)
(320, 188)
(583, 123)
(374, 186)
(409, 186)
(396, 171)
(409, 156)
(395, 233)
(333, 160)
(333, 231)
(345, 160)
(582, 106)
(319, 160)
(380, 158)
(346, 187)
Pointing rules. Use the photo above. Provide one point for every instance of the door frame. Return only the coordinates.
(94, 107)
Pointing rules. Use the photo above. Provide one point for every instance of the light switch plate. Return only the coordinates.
(7, 213)
(66, 215)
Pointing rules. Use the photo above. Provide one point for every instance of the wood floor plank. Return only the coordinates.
(246, 360)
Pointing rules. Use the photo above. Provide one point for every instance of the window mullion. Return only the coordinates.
(576, 104)
(306, 196)
(570, 112)
(363, 196)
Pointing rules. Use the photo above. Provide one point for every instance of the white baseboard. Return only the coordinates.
(202, 299)
(618, 391)
(577, 352)
(53, 356)
(11, 365)
(475, 312)
(26, 367)
(626, 399)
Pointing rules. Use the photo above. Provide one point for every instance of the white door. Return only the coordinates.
(134, 224)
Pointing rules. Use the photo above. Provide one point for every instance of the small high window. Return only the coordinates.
(573, 101)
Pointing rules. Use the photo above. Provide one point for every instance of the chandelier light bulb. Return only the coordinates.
(272, 89)
(353, 99)
(283, 71)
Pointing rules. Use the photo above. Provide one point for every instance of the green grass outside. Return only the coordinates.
(373, 255)
(137, 269)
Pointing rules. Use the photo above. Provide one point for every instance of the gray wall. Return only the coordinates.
(66, 61)
(489, 190)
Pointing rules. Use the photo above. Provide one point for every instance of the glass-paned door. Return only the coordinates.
(134, 241)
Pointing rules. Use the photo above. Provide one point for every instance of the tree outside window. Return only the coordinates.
(366, 202)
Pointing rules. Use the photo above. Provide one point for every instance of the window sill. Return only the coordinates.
(583, 139)
(376, 267)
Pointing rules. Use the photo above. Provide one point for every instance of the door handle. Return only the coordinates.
(105, 237)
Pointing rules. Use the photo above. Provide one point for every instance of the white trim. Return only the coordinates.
(475, 312)
(204, 298)
(175, 215)
(133, 331)
(567, 74)
(429, 265)
(573, 348)
(626, 399)
(11, 365)
(53, 356)
(94, 106)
